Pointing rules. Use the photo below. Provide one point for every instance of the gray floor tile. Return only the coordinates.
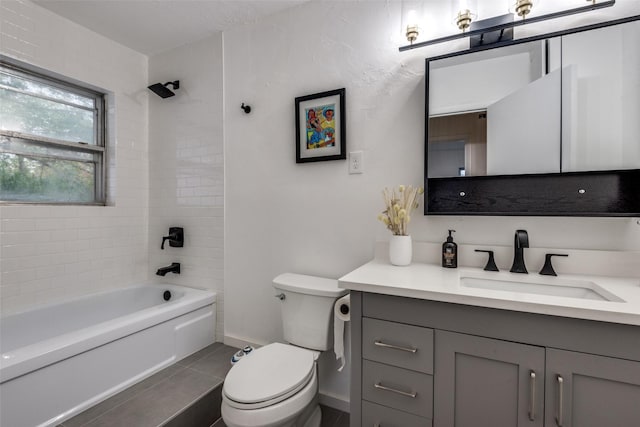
(95, 411)
(202, 413)
(216, 364)
(201, 354)
(161, 402)
(343, 420)
(329, 416)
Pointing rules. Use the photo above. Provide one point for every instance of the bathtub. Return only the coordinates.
(60, 359)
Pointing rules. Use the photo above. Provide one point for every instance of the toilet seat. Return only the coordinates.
(270, 375)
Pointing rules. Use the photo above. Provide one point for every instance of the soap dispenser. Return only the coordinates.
(450, 252)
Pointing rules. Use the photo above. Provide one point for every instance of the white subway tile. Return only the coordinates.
(18, 251)
(49, 271)
(50, 248)
(48, 224)
(9, 290)
(63, 235)
(35, 286)
(18, 276)
(8, 225)
(22, 237)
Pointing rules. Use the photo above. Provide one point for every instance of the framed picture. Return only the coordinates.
(320, 127)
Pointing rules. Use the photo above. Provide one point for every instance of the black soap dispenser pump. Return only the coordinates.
(450, 252)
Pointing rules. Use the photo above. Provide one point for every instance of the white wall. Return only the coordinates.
(316, 218)
(50, 253)
(186, 167)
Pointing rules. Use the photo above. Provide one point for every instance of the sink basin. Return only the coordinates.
(567, 289)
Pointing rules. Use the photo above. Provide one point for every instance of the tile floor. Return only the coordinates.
(333, 417)
(330, 418)
(186, 394)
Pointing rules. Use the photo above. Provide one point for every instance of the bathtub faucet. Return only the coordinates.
(173, 268)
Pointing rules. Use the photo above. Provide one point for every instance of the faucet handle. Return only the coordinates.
(491, 262)
(175, 237)
(547, 269)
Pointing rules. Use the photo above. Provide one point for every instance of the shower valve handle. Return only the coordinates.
(175, 238)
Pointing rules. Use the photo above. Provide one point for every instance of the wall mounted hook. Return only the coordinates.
(246, 108)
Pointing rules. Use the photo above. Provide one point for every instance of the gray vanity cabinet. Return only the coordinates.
(487, 382)
(454, 365)
(584, 390)
(397, 374)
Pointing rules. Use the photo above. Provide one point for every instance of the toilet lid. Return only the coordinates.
(273, 371)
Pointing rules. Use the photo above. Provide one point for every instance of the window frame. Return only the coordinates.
(98, 150)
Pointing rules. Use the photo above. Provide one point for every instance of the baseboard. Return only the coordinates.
(238, 342)
(335, 402)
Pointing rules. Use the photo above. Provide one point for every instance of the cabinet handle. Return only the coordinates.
(395, 347)
(560, 417)
(403, 393)
(532, 391)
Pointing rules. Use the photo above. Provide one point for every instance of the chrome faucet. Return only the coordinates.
(520, 242)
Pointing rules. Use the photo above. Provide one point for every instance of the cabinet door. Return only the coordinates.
(584, 390)
(485, 382)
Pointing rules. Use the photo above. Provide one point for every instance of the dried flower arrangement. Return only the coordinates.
(399, 207)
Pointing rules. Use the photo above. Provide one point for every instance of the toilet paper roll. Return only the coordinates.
(341, 314)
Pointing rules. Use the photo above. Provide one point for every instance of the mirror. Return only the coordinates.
(498, 110)
(549, 108)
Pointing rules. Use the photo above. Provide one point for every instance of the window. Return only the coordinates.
(52, 139)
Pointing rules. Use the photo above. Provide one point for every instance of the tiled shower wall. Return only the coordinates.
(54, 252)
(186, 167)
(164, 170)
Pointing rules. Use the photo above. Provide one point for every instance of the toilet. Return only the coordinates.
(277, 385)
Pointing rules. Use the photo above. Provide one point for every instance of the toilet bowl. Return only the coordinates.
(277, 386)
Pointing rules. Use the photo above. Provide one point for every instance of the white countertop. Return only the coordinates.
(433, 282)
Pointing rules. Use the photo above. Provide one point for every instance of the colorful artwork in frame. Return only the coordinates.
(320, 127)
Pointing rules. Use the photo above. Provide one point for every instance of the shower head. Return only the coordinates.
(163, 91)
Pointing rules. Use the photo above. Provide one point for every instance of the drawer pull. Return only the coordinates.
(395, 347)
(532, 392)
(560, 416)
(403, 393)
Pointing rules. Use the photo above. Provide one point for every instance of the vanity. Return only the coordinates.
(530, 127)
(467, 347)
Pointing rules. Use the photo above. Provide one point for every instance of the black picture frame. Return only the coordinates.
(321, 126)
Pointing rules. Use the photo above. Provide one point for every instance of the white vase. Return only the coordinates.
(400, 250)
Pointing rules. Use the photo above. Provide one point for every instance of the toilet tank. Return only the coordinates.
(307, 309)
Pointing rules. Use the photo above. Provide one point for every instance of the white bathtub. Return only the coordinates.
(58, 360)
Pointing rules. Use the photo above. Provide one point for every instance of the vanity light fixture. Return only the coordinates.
(463, 19)
(412, 33)
(523, 7)
(487, 26)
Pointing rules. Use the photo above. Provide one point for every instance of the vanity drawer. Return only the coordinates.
(381, 416)
(397, 344)
(398, 388)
